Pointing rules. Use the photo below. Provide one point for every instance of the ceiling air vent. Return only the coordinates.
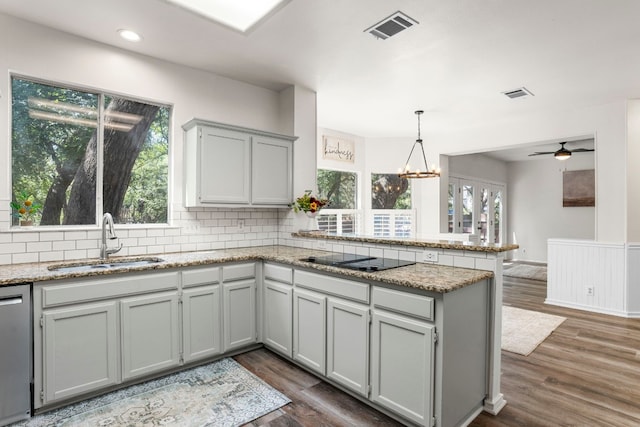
(391, 26)
(518, 93)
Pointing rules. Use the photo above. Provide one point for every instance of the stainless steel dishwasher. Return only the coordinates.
(15, 353)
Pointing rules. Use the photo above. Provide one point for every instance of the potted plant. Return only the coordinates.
(310, 205)
(25, 208)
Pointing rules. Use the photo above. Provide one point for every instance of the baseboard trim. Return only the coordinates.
(495, 406)
(592, 309)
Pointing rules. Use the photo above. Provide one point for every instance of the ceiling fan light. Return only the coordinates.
(562, 154)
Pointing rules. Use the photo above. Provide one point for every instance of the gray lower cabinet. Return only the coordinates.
(278, 317)
(92, 333)
(201, 322)
(80, 350)
(239, 306)
(201, 313)
(348, 344)
(331, 328)
(310, 330)
(402, 365)
(150, 334)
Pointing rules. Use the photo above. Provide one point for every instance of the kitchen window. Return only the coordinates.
(81, 153)
(391, 212)
(340, 188)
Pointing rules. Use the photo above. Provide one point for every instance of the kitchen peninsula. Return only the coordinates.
(411, 341)
(482, 256)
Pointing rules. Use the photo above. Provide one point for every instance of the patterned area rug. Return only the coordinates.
(524, 330)
(526, 271)
(222, 393)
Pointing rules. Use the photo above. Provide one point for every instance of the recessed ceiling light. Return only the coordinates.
(239, 15)
(129, 35)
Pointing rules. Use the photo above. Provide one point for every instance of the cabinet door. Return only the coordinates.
(309, 329)
(80, 346)
(239, 308)
(278, 317)
(272, 171)
(402, 366)
(224, 166)
(201, 322)
(150, 336)
(348, 344)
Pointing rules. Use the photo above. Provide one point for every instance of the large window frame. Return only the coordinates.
(156, 143)
(398, 220)
(338, 219)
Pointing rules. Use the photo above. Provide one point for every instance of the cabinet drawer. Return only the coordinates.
(349, 289)
(87, 289)
(200, 276)
(239, 271)
(278, 273)
(402, 302)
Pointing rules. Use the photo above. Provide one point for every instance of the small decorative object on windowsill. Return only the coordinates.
(25, 209)
(311, 206)
(426, 171)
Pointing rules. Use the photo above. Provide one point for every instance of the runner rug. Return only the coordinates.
(221, 393)
(526, 271)
(524, 330)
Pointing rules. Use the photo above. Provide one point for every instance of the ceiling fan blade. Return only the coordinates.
(539, 153)
(582, 150)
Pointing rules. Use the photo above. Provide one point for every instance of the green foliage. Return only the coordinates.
(392, 189)
(340, 188)
(25, 207)
(51, 130)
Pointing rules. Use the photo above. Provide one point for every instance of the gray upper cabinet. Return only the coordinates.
(230, 165)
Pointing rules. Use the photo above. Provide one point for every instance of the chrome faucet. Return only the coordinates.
(107, 223)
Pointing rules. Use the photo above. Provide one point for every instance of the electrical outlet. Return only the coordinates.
(430, 256)
(589, 290)
(240, 224)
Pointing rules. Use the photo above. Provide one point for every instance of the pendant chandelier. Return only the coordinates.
(425, 172)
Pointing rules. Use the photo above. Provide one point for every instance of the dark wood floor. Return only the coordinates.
(587, 373)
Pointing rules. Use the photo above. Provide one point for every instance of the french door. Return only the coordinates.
(477, 208)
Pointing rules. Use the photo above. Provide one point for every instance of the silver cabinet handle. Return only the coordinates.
(10, 301)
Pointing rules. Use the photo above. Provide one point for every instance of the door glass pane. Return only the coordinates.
(497, 217)
(484, 213)
(467, 209)
(450, 208)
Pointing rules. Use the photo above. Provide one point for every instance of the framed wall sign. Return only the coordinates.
(579, 188)
(334, 148)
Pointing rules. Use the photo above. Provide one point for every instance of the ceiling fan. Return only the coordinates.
(562, 153)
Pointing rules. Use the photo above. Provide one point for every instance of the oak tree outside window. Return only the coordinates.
(82, 153)
(341, 189)
(392, 215)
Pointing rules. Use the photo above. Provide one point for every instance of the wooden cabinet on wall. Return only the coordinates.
(228, 165)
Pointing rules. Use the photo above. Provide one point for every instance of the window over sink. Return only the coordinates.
(80, 153)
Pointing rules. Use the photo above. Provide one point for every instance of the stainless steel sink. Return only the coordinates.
(104, 265)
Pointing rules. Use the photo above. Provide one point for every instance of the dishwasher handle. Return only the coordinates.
(10, 301)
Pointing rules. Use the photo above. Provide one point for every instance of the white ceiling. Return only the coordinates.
(454, 64)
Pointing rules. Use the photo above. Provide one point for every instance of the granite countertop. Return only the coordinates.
(421, 243)
(429, 277)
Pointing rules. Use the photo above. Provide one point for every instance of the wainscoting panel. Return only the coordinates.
(587, 275)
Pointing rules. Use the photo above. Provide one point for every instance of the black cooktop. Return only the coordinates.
(358, 262)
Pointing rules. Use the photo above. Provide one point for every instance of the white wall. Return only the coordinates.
(42, 53)
(535, 211)
(478, 166)
(606, 123)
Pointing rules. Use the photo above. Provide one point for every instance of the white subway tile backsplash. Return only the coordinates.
(64, 245)
(464, 262)
(75, 254)
(39, 246)
(26, 237)
(24, 257)
(75, 235)
(51, 256)
(10, 248)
